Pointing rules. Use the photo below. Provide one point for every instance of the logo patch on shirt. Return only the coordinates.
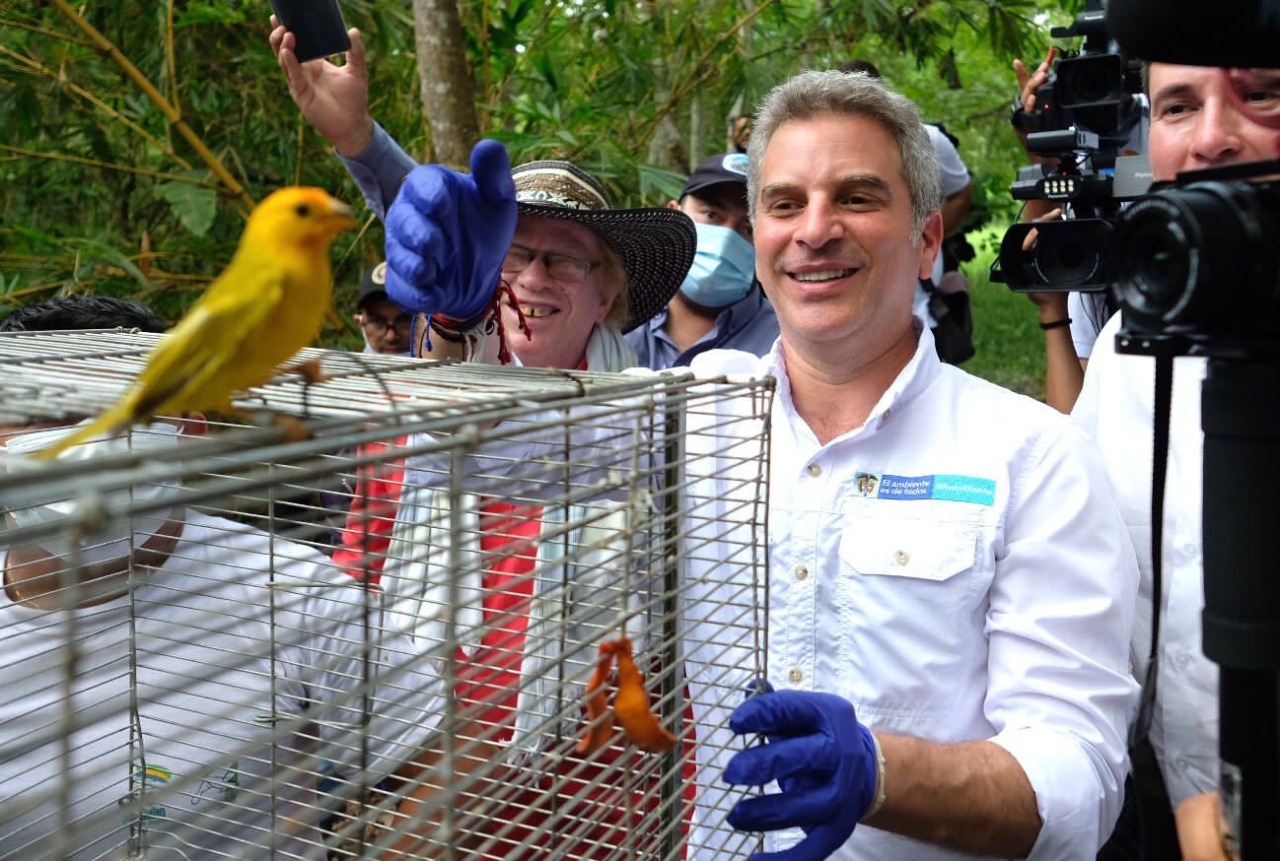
(951, 488)
(149, 778)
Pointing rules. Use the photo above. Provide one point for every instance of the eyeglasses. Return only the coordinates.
(377, 327)
(561, 267)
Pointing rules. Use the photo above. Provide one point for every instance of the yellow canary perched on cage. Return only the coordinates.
(266, 305)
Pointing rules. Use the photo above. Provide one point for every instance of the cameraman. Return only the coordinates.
(1201, 117)
(1071, 321)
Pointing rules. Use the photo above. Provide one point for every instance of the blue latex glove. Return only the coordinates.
(823, 759)
(448, 234)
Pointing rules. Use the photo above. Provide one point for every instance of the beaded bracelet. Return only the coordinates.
(448, 333)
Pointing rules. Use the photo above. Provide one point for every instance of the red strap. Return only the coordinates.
(362, 550)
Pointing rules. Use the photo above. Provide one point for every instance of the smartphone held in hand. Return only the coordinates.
(316, 25)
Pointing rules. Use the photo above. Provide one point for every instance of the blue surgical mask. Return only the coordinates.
(723, 268)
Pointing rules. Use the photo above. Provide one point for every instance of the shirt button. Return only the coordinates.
(1182, 659)
(1192, 550)
(801, 572)
(902, 557)
(1182, 764)
(814, 470)
(795, 676)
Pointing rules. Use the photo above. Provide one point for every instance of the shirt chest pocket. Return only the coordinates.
(929, 550)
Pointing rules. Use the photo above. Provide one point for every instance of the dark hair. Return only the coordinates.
(865, 66)
(80, 311)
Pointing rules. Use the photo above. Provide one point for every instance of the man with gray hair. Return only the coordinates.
(947, 651)
(951, 585)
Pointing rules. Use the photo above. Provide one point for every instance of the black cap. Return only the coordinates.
(373, 283)
(725, 167)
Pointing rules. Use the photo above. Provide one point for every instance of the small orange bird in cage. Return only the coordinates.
(630, 705)
(266, 305)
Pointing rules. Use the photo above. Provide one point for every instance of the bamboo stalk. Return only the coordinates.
(158, 99)
(80, 91)
(106, 165)
(171, 57)
(682, 89)
(41, 31)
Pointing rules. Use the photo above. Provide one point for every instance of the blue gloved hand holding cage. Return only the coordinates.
(827, 764)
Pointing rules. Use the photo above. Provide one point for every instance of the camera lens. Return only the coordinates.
(1187, 257)
(1068, 254)
(1091, 80)
(1156, 257)
(1094, 84)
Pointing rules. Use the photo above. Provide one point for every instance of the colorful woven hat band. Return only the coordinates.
(558, 184)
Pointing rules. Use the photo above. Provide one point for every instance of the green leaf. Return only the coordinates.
(194, 205)
(90, 252)
(658, 182)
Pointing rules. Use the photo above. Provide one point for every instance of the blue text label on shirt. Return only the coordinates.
(952, 488)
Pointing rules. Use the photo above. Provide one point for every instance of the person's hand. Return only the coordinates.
(333, 98)
(1052, 304)
(448, 234)
(823, 759)
(1202, 834)
(1030, 82)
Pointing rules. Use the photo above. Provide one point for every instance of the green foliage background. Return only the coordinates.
(98, 191)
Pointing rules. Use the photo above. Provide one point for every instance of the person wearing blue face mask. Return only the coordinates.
(723, 270)
(720, 304)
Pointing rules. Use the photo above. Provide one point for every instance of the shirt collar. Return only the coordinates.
(915, 377)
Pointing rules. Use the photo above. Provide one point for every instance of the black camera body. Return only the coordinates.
(1196, 264)
(1085, 114)
(1092, 90)
(1070, 254)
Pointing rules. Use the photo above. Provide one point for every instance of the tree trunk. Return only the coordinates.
(448, 89)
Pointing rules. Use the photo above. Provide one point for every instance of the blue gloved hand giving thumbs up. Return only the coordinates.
(448, 234)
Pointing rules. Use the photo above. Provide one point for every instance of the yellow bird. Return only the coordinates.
(266, 305)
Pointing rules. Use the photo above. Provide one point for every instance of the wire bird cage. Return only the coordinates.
(382, 640)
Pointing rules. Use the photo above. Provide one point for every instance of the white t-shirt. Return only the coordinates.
(1088, 313)
(222, 737)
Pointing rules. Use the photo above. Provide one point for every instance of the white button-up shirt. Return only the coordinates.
(1116, 408)
(968, 576)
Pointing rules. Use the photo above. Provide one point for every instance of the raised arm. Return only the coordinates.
(334, 99)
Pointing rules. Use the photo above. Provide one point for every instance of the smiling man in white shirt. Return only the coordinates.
(968, 608)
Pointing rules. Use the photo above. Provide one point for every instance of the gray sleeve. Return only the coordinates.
(379, 170)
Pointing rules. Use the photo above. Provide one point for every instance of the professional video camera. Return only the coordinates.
(1085, 114)
(1198, 274)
